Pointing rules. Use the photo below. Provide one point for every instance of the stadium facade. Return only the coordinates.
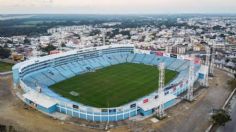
(34, 76)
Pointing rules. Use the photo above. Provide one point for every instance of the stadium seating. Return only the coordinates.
(64, 72)
(168, 61)
(55, 75)
(138, 58)
(111, 59)
(130, 57)
(175, 64)
(52, 75)
(148, 59)
(103, 61)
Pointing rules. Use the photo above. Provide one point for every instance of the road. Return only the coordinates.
(230, 126)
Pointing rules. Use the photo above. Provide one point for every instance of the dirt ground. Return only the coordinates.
(184, 117)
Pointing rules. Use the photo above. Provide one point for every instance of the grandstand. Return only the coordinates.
(48, 78)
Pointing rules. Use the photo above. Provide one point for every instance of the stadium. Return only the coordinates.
(106, 83)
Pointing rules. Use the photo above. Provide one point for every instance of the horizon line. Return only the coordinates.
(187, 13)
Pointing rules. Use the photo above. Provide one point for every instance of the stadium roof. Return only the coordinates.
(154, 103)
(39, 99)
(63, 54)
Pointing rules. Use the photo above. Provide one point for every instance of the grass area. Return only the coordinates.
(4, 67)
(232, 83)
(112, 86)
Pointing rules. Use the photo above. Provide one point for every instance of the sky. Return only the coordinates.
(116, 6)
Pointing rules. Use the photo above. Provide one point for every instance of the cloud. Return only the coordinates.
(118, 6)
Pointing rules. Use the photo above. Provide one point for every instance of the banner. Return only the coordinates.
(166, 54)
(197, 60)
(159, 53)
(180, 57)
(132, 105)
(173, 55)
(54, 52)
(104, 110)
(112, 110)
(187, 57)
(75, 106)
(145, 101)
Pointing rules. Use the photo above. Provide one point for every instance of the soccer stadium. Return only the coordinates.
(106, 83)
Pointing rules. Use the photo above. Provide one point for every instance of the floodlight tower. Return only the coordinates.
(60, 42)
(104, 38)
(212, 60)
(190, 80)
(208, 52)
(161, 112)
(207, 63)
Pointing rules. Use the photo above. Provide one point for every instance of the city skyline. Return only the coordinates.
(117, 7)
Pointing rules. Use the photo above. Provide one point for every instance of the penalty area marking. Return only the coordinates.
(73, 93)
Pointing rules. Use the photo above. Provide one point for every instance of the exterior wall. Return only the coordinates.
(97, 116)
(166, 106)
(169, 104)
(146, 113)
(41, 108)
(15, 76)
(49, 110)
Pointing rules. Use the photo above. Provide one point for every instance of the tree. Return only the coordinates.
(232, 82)
(4, 52)
(26, 41)
(5, 46)
(48, 48)
(63, 45)
(220, 117)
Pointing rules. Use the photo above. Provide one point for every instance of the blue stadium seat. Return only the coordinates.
(148, 59)
(130, 57)
(138, 58)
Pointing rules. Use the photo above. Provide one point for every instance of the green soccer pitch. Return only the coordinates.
(4, 67)
(112, 86)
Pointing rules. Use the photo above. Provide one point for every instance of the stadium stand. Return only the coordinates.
(50, 70)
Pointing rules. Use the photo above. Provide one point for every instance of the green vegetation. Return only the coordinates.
(48, 48)
(5, 67)
(112, 86)
(4, 52)
(39, 24)
(232, 83)
(220, 117)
